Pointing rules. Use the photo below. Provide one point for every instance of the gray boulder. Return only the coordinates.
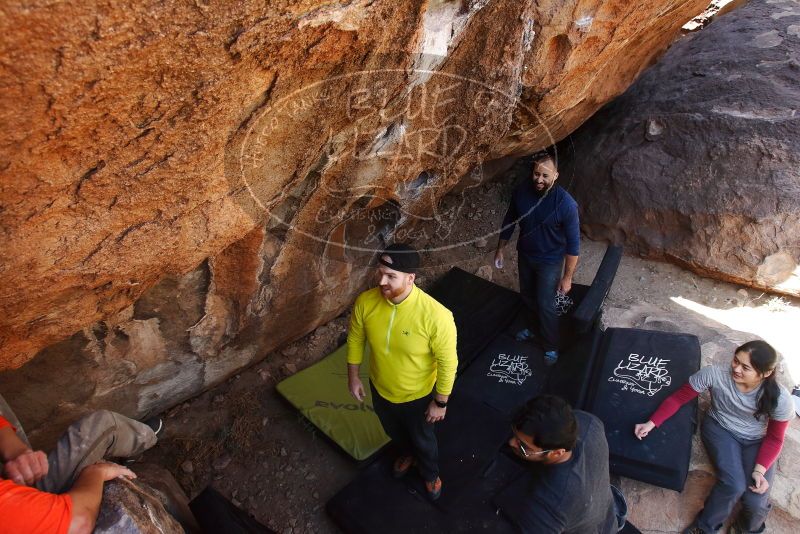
(699, 161)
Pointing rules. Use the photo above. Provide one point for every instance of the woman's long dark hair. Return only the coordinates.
(763, 358)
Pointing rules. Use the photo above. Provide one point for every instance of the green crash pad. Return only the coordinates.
(320, 393)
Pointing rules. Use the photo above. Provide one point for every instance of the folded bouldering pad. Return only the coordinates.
(587, 312)
(636, 370)
(320, 393)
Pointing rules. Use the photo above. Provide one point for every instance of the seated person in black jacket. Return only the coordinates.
(569, 489)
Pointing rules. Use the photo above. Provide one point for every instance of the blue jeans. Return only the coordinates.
(734, 459)
(538, 283)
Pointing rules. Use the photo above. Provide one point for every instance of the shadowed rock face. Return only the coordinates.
(186, 186)
(698, 161)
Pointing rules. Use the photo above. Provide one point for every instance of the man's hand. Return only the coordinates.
(570, 264)
(434, 414)
(354, 382)
(356, 388)
(499, 260)
(760, 484)
(565, 285)
(109, 471)
(87, 492)
(27, 468)
(643, 429)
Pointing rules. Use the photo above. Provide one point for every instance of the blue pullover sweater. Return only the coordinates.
(549, 226)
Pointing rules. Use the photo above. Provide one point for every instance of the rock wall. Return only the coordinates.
(699, 161)
(188, 185)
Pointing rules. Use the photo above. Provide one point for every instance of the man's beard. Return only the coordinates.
(390, 293)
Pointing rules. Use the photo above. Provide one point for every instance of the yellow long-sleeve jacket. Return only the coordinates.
(413, 344)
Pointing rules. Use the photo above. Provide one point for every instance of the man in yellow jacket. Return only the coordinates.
(412, 339)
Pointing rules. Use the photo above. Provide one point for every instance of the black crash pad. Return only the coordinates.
(481, 310)
(571, 376)
(505, 375)
(636, 370)
(215, 513)
(390, 506)
(469, 440)
(566, 322)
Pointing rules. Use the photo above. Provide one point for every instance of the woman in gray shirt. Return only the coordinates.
(743, 434)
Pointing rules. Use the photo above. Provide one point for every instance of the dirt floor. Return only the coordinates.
(249, 444)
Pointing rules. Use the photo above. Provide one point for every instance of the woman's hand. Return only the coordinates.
(760, 484)
(642, 429)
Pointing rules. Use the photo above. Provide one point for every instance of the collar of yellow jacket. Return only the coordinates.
(411, 298)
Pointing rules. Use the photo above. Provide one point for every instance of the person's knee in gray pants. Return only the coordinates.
(98, 435)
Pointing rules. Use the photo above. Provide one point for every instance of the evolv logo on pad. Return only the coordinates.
(645, 375)
(352, 407)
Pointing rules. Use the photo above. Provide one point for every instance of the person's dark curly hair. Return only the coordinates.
(549, 420)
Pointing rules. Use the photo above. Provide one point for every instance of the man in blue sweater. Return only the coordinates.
(547, 247)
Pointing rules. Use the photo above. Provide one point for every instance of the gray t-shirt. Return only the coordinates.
(733, 409)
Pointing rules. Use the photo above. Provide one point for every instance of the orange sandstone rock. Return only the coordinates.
(242, 160)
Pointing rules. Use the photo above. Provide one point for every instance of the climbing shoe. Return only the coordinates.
(550, 357)
(401, 466)
(524, 335)
(156, 424)
(434, 488)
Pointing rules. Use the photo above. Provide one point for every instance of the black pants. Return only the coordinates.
(405, 423)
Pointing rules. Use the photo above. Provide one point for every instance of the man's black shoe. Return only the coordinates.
(156, 424)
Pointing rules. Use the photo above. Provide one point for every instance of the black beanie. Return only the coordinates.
(404, 258)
